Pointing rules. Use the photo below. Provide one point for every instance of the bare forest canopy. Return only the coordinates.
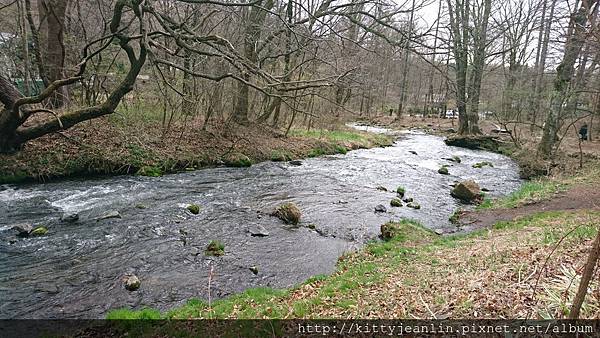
(520, 62)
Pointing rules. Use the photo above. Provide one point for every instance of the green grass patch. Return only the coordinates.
(529, 192)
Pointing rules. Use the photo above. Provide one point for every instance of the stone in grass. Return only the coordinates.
(194, 209)
(289, 213)
(396, 202)
(215, 248)
(389, 230)
(443, 171)
(131, 282)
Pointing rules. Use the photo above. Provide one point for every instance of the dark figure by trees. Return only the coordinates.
(583, 132)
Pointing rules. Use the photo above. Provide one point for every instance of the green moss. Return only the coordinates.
(401, 191)
(281, 156)
(340, 149)
(443, 170)
(215, 248)
(455, 217)
(129, 314)
(396, 202)
(194, 209)
(13, 178)
(39, 231)
(483, 164)
(150, 171)
(237, 160)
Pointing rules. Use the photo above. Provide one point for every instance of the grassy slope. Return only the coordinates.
(106, 147)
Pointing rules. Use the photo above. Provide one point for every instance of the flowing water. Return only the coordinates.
(76, 270)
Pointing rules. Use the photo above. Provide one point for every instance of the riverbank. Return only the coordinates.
(104, 147)
(525, 266)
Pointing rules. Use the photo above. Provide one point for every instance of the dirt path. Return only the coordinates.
(576, 198)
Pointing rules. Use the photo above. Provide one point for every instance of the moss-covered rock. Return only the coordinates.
(414, 205)
(401, 191)
(389, 230)
(483, 164)
(237, 160)
(289, 213)
(215, 248)
(396, 202)
(194, 209)
(39, 231)
(131, 282)
(483, 142)
(443, 170)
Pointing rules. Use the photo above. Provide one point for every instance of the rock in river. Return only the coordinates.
(23, 230)
(109, 215)
(257, 230)
(467, 191)
(380, 208)
(295, 162)
(289, 213)
(131, 282)
(69, 218)
(39, 231)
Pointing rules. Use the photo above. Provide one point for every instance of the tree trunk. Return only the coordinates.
(564, 74)
(52, 23)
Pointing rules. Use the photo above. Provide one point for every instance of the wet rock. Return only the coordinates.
(451, 130)
(438, 231)
(482, 142)
(193, 208)
(141, 206)
(342, 202)
(39, 231)
(400, 191)
(215, 248)
(467, 191)
(408, 200)
(69, 218)
(443, 171)
(109, 215)
(485, 190)
(414, 205)
(413, 152)
(254, 269)
(131, 282)
(23, 230)
(483, 164)
(380, 208)
(295, 162)
(312, 226)
(12, 241)
(454, 159)
(396, 202)
(257, 230)
(289, 213)
(381, 188)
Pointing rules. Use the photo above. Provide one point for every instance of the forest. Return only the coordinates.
(298, 159)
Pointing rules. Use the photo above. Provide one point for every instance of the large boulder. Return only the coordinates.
(483, 142)
(289, 213)
(467, 191)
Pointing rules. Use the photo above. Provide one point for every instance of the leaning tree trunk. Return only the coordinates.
(564, 74)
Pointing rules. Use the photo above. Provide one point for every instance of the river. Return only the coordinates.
(76, 270)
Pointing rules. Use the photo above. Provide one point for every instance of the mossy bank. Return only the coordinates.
(106, 148)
